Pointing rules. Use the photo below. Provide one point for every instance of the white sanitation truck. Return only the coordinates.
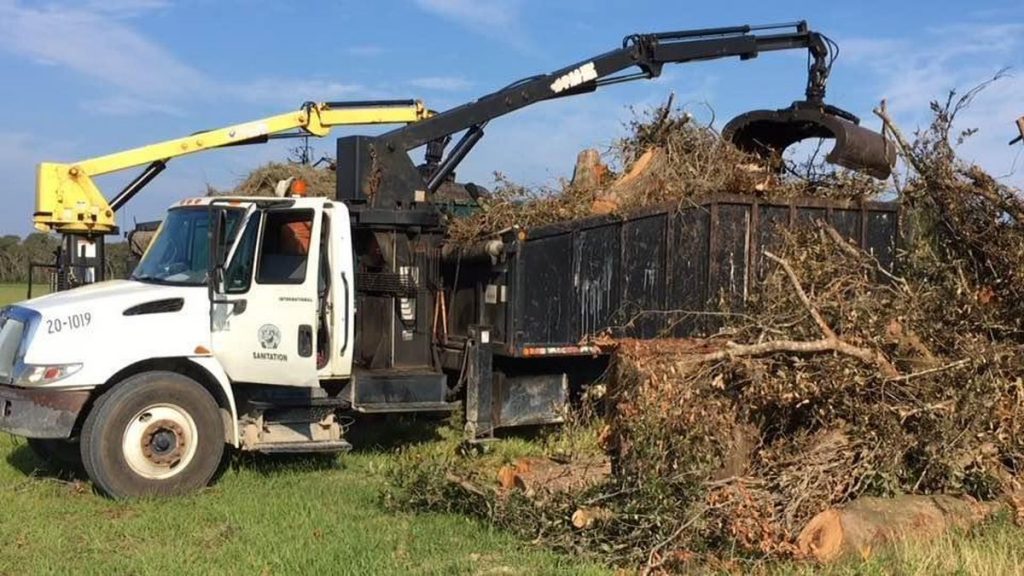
(141, 371)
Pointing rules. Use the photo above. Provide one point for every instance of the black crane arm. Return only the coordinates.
(383, 175)
(647, 52)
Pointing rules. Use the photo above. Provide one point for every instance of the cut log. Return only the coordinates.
(611, 199)
(513, 475)
(507, 477)
(542, 476)
(867, 524)
(590, 172)
(584, 518)
(637, 169)
(607, 204)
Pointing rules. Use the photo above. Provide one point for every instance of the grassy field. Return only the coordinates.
(264, 516)
(313, 515)
(17, 292)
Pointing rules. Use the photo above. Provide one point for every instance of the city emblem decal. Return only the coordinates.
(270, 337)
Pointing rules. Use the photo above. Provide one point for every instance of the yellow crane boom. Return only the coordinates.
(69, 202)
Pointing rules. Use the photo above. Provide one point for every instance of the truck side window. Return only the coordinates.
(239, 272)
(285, 247)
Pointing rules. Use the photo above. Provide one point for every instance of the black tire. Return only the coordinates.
(59, 455)
(106, 437)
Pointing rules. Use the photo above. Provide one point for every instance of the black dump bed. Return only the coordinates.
(648, 275)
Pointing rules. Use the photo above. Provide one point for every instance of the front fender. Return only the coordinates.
(216, 371)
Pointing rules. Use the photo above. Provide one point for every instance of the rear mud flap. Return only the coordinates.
(531, 400)
(768, 133)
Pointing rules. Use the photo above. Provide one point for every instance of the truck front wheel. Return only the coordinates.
(153, 434)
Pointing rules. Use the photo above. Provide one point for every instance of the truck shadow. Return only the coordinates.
(376, 433)
(24, 460)
(273, 464)
(368, 434)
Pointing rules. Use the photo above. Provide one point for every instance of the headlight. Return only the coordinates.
(39, 374)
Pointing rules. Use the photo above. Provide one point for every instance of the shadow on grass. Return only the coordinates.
(272, 464)
(368, 434)
(381, 433)
(24, 460)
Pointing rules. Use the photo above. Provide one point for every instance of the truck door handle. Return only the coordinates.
(305, 340)
(344, 284)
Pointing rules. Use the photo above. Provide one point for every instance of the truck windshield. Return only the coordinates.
(180, 252)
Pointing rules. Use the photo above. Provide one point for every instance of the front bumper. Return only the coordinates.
(40, 412)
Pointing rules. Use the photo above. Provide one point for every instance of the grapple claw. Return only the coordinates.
(768, 133)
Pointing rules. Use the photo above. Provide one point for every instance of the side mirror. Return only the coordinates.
(218, 250)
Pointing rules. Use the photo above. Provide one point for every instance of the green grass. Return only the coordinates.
(10, 293)
(264, 516)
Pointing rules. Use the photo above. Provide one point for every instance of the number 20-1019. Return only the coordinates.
(71, 322)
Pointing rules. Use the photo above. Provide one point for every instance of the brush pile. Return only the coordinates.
(666, 157)
(841, 382)
(263, 180)
(841, 379)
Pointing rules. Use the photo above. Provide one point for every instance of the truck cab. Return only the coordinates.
(235, 328)
(289, 263)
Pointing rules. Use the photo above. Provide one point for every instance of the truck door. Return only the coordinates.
(337, 296)
(264, 323)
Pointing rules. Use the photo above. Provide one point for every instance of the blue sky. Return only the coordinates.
(94, 76)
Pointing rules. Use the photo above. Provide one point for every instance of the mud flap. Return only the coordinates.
(768, 133)
(495, 399)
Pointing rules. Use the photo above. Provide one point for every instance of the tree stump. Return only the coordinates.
(590, 173)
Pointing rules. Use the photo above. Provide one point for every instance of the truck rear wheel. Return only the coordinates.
(154, 434)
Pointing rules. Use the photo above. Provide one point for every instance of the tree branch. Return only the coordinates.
(822, 325)
(905, 148)
(829, 343)
(859, 254)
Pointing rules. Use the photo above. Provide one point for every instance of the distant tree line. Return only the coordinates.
(16, 253)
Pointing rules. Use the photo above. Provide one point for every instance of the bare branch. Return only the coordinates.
(830, 343)
(822, 325)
